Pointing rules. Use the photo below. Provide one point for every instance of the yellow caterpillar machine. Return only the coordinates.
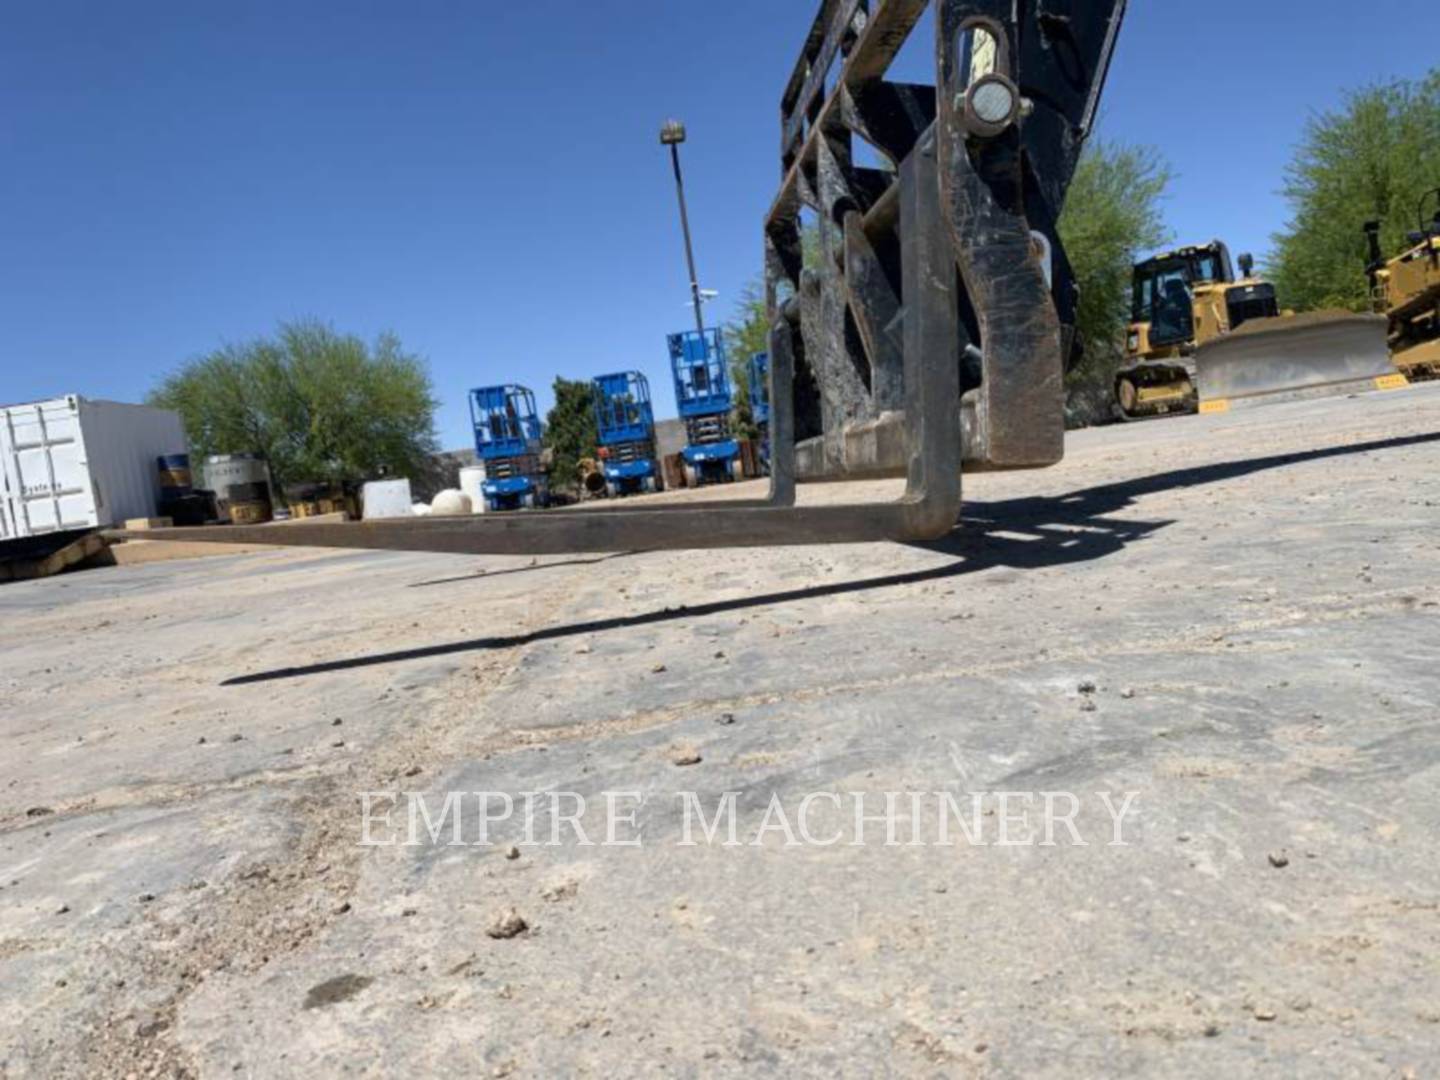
(1202, 339)
(1406, 290)
(1182, 300)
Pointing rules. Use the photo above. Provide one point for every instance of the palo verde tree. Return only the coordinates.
(570, 431)
(322, 406)
(1112, 219)
(1369, 160)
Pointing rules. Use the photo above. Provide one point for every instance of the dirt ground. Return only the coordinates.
(1233, 621)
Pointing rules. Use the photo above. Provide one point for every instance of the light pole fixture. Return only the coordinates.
(672, 134)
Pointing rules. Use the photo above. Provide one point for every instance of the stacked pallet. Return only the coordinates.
(45, 556)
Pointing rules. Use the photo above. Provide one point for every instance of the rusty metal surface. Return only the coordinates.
(999, 193)
(925, 282)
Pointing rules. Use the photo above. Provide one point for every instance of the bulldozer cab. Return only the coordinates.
(1406, 290)
(1188, 297)
(1393, 282)
(1166, 287)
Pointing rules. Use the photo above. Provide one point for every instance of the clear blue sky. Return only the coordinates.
(485, 179)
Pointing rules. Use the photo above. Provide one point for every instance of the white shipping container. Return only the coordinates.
(70, 463)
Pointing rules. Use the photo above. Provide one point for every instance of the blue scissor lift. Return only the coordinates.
(760, 402)
(625, 421)
(702, 396)
(508, 443)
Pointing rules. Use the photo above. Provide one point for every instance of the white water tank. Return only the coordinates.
(472, 480)
(450, 503)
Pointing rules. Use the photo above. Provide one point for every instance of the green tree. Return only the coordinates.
(322, 406)
(747, 333)
(1112, 219)
(570, 431)
(1369, 160)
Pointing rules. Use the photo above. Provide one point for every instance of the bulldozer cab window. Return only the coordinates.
(1144, 299)
(1207, 268)
(1169, 306)
(1160, 286)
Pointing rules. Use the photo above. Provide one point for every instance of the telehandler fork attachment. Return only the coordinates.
(938, 287)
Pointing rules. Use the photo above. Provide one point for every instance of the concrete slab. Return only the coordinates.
(1235, 618)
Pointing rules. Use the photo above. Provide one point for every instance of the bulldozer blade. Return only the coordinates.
(1320, 354)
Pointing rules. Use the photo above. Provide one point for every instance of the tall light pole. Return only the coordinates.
(672, 135)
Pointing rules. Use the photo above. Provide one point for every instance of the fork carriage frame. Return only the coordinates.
(938, 257)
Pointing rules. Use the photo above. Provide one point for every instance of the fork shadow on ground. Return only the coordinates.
(482, 575)
(1023, 534)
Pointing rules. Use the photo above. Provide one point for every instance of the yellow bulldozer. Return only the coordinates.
(1202, 339)
(1406, 290)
